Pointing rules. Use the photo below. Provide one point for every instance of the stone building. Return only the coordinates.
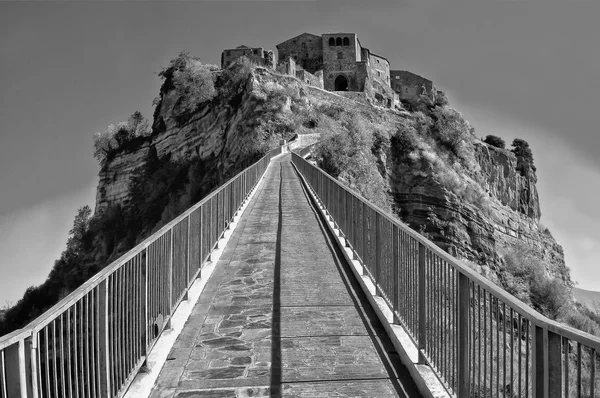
(306, 49)
(345, 64)
(256, 54)
(410, 86)
(337, 62)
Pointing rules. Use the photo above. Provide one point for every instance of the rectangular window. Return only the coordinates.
(397, 77)
(256, 52)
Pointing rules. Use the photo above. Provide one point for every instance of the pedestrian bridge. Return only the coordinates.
(286, 283)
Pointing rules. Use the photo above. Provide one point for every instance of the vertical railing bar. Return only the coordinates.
(75, 350)
(566, 360)
(479, 340)
(593, 373)
(72, 359)
(98, 334)
(519, 352)
(497, 348)
(527, 359)
(395, 265)
(491, 334)
(46, 349)
(485, 341)
(578, 370)
(504, 348)
(82, 367)
(119, 330)
(422, 304)
(512, 349)
(127, 318)
(3, 374)
(62, 355)
(54, 357)
(38, 355)
(87, 343)
(463, 328)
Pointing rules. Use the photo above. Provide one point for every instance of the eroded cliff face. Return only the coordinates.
(218, 133)
(480, 234)
(228, 132)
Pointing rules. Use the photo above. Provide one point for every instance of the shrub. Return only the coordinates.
(495, 141)
(452, 131)
(441, 99)
(346, 152)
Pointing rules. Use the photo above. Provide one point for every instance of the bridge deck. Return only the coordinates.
(282, 315)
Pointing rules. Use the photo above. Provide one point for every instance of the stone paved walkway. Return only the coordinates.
(281, 315)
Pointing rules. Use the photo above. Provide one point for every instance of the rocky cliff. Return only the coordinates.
(479, 232)
(248, 117)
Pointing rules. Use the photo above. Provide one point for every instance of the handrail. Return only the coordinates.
(92, 342)
(464, 325)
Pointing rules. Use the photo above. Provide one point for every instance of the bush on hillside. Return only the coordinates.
(495, 141)
(453, 132)
(346, 152)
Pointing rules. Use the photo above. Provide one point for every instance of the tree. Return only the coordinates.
(138, 125)
(117, 135)
(495, 141)
(81, 225)
(104, 143)
(523, 153)
(194, 84)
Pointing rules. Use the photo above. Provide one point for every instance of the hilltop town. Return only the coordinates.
(337, 62)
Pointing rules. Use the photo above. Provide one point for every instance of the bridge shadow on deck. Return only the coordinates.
(282, 314)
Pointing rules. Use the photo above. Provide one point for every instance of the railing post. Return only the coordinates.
(103, 337)
(422, 304)
(554, 365)
(464, 304)
(35, 366)
(539, 362)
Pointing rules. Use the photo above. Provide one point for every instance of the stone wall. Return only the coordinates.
(309, 78)
(306, 49)
(258, 55)
(408, 85)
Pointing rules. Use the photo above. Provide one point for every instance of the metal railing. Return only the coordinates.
(94, 341)
(478, 339)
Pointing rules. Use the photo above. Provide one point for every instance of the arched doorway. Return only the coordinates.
(341, 83)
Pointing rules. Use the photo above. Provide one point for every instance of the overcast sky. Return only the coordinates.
(526, 69)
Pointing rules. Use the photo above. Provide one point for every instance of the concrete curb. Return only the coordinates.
(143, 383)
(424, 377)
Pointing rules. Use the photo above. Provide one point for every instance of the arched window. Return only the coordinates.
(338, 41)
(331, 41)
(346, 41)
